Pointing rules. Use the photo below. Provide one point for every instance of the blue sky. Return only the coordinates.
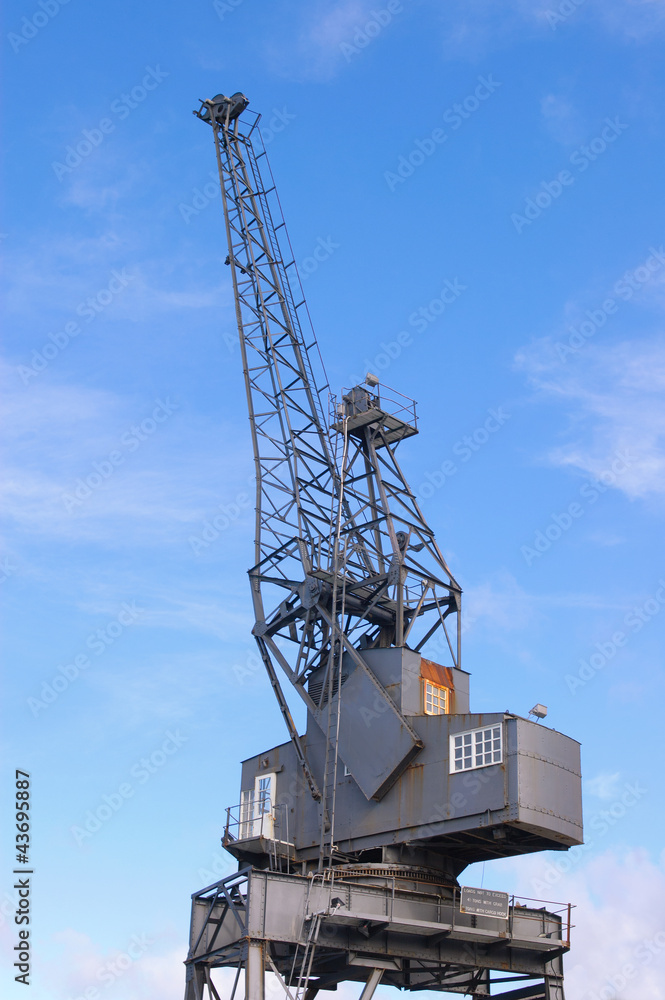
(482, 185)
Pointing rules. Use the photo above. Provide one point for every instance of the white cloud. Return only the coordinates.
(144, 966)
(152, 297)
(170, 690)
(614, 401)
(476, 27)
(59, 275)
(604, 786)
(54, 410)
(500, 602)
(634, 20)
(618, 915)
(60, 436)
(562, 120)
(606, 539)
(617, 943)
(317, 48)
(103, 184)
(332, 27)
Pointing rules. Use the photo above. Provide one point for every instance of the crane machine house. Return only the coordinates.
(351, 837)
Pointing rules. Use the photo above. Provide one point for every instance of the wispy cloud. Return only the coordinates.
(501, 604)
(472, 29)
(169, 690)
(476, 27)
(145, 964)
(330, 27)
(562, 119)
(635, 20)
(49, 280)
(613, 397)
(59, 482)
(319, 43)
(604, 786)
(620, 909)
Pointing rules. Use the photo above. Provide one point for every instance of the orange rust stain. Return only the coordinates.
(443, 676)
(412, 792)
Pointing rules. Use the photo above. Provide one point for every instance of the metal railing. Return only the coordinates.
(449, 912)
(389, 401)
(562, 910)
(257, 816)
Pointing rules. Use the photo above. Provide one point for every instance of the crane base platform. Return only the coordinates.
(317, 930)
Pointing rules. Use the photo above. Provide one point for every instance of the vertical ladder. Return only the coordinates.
(334, 675)
(326, 846)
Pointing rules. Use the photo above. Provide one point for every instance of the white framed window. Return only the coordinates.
(476, 748)
(257, 814)
(263, 794)
(246, 814)
(435, 698)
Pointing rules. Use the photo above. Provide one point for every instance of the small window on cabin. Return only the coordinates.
(476, 748)
(436, 699)
(263, 798)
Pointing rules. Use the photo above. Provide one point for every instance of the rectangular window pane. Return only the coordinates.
(264, 795)
(477, 748)
(436, 699)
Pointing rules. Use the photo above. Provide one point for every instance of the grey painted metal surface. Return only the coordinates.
(415, 932)
(529, 801)
(344, 557)
(355, 832)
(375, 759)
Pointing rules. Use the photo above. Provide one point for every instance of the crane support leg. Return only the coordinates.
(371, 984)
(255, 971)
(195, 983)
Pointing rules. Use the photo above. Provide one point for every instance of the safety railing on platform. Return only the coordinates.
(388, 400)
(450, 911)
(257, 816)
(562, 910)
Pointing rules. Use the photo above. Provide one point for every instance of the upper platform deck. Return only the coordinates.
(362, 406)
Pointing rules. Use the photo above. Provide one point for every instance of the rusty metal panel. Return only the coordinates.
(401, 672)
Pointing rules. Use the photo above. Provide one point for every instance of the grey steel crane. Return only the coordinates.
(395, 786)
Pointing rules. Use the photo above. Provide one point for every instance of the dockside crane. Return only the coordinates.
(350, 837)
